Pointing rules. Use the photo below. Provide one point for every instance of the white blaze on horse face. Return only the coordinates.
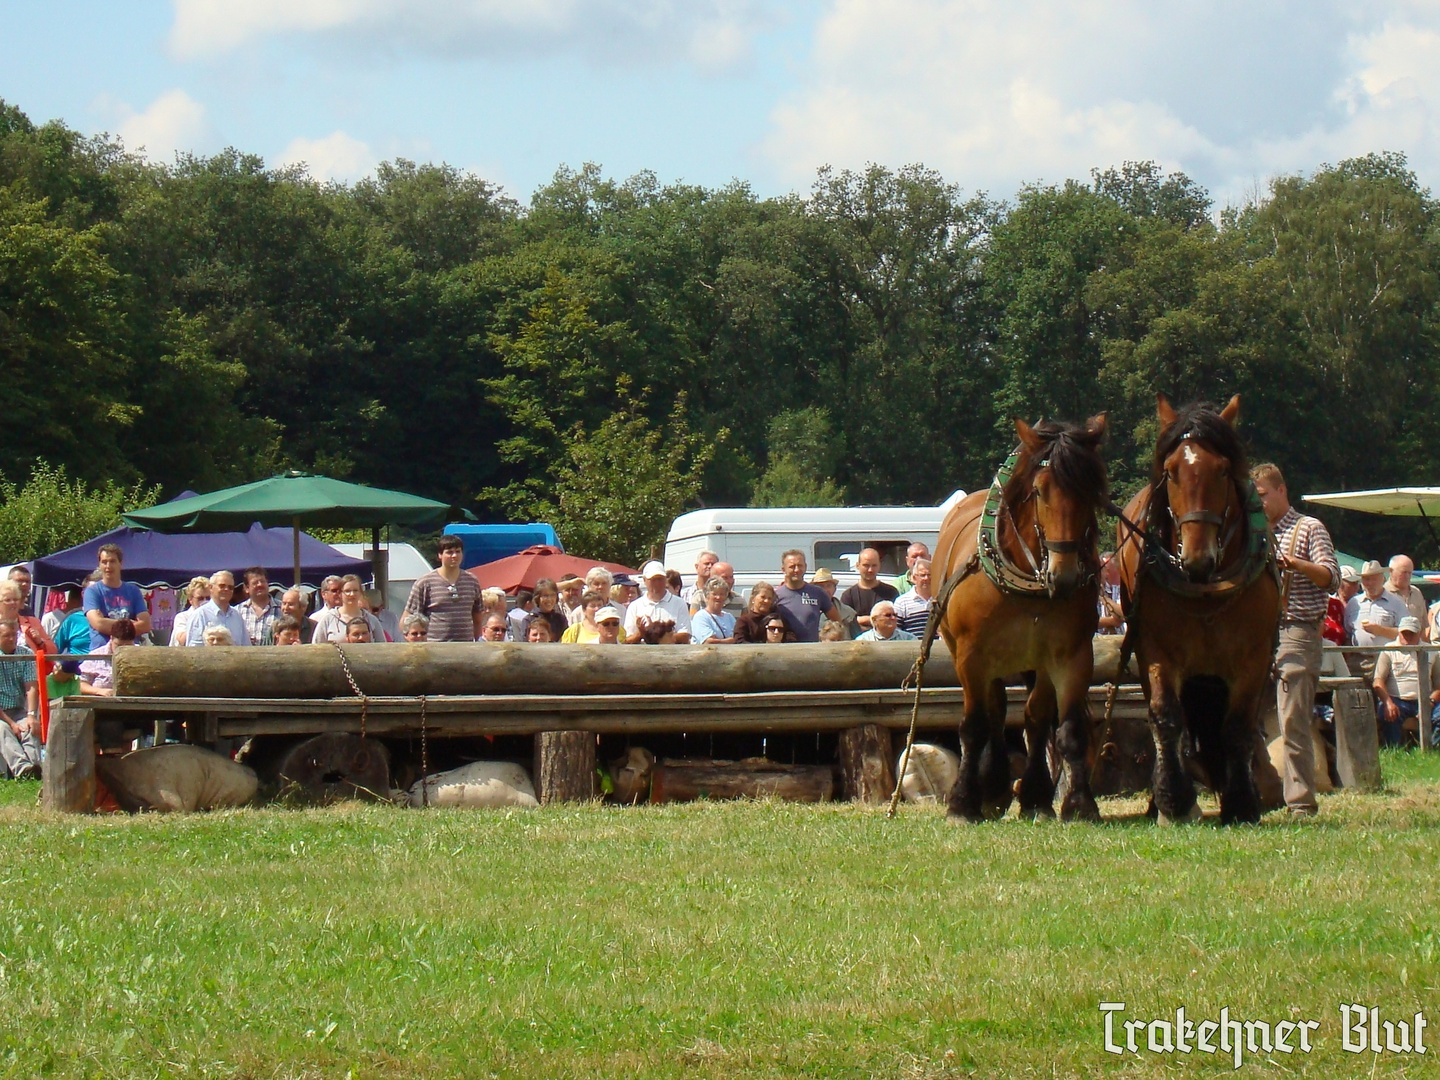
(1190, 456)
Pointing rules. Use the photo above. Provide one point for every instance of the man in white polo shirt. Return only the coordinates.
(656, 598)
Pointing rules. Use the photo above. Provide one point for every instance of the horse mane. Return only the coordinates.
(1073, 451)
(1202, 422)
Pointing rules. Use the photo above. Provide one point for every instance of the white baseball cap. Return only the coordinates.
(605, 614)
(653, 568)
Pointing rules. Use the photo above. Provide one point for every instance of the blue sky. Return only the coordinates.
(993, 94)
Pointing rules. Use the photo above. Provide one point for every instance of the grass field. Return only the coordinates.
(705, 940)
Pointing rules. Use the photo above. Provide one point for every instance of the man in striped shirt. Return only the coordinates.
(1306, 556)
(912, 608)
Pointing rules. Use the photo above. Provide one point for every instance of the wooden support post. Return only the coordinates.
(866, 775)
(565, 766)
(1357, 742)
(69, 773)
(1422, 667)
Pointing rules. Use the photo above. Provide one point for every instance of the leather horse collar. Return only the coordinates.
(1006, 575)
(1164, 566)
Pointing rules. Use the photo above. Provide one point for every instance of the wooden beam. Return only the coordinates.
(565, 766)
(867, 755)
(68, 784)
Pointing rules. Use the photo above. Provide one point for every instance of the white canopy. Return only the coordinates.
(1394, 502)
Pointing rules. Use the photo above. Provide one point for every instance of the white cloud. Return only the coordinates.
(337, 156)
(172, 123)
(995, 94)
(712, 34)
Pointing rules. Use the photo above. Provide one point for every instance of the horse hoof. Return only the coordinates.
(994, 811)
(1191, 816)
(1080, 810)
(964, 818)
(1038, 813)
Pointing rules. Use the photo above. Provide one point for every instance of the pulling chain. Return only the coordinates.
(354, 686)
(424, 755)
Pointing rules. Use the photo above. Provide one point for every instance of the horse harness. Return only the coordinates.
(1004, 574)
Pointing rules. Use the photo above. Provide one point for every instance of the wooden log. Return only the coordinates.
(438, 668)
(1357, 742)
(457, 668)
(686, 780)
(866, 775)
(565, 766)
(68, 778)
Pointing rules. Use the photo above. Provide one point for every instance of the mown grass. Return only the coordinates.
(753, 939)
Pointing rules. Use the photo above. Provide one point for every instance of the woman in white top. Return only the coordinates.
(331, 625)
(196, 593)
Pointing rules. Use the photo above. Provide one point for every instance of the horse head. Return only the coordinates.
(1065, 476)
(1199, 460)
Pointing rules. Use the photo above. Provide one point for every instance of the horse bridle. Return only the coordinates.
(1204, 517)
(1059, 547)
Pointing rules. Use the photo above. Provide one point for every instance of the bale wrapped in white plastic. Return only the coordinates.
(930, 773)
(481, 783)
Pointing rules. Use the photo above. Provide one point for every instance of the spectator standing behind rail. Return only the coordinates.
(333, 624)
(571, 588)
(913, 554)
(113, 598)
(1112, 618)
(608, 620)
(713, 623)
(750, 627)
(196, 594)
(496, 628)
(19, 705)
(694, 596)
(450, 598)
(72, 602)
(885, 626)
(287, 630)
(1397, 684)
(586, 630)
(20, 574)
(260, 609)
(870, 590)
(1402, 569)
(658, 598)
(803, 606)
(217, 612)
(912, 609)
(599, 581)
(847, 616)
(1372, 617)
(32, 634)
(97, 677)
(547, 610)
(294, 605)
(520, 614)
(1307, 562)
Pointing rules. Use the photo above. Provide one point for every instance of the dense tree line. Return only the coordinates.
(613, 352)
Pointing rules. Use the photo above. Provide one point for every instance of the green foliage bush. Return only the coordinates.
(52, 512)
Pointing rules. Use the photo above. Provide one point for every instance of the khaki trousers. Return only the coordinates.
(1298, 664)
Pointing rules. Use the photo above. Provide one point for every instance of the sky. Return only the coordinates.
(993, 95)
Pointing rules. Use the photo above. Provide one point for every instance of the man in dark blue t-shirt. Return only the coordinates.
(804, 606)
(110, 599)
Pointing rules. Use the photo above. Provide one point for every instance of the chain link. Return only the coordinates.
(350, 678)
(424, 755)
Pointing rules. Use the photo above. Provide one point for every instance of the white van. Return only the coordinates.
(752, 540)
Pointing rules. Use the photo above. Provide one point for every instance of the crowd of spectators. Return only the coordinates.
(107, 613)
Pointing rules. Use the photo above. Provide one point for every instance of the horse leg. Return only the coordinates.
(1172, 788)
(965, 797)
(1073, 740)
(1037, 788)
(1240, 798)
(995, 759)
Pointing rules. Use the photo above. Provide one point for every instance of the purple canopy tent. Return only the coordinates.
(153, 558)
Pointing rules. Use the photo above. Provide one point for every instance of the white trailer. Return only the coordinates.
(753, 540)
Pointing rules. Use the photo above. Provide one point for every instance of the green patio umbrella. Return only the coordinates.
(297, 499)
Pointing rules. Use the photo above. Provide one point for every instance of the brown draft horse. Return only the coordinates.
(1020, 595)
(1202, 600)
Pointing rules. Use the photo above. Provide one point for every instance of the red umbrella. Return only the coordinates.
(523, 570)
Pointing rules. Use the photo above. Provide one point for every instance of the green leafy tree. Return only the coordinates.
(804, 451)
(52, 511)
(622, 484)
